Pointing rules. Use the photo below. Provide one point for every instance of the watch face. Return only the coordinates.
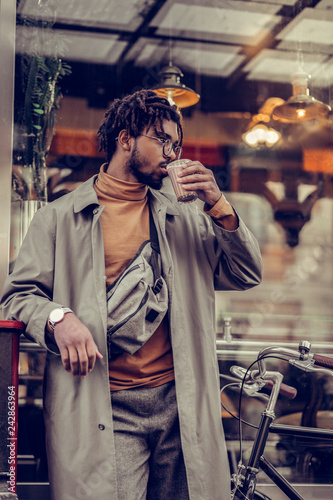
(56, 315)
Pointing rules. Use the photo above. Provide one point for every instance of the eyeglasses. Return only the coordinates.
(168, 146)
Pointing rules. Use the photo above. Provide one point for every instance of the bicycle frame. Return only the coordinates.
(296, 431)
(257, 461)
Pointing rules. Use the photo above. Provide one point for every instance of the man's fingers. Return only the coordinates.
(194, 185)
(83, 360)
(196, 180)
(74, 361)
(93, 353)
(65, 358)
(196, 177)
(76, 345)
(193, 168)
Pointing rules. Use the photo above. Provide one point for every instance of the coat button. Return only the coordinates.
(101, 427)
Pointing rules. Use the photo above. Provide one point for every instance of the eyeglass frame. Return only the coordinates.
(173, 148)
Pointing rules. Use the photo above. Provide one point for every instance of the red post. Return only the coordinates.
(10, 332)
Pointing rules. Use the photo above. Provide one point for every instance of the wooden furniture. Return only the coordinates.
(10, 332)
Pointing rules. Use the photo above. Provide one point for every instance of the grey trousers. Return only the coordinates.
(150, 464)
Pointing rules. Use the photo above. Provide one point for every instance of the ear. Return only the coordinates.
(124, 140)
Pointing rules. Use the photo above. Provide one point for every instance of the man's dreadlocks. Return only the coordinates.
(134, 113)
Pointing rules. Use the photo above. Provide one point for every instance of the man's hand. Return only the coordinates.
(77, 348)
(196, 177)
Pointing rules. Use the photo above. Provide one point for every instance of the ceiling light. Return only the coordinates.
(301, 106)
(258, 132)
(172, 89)
(260, 135)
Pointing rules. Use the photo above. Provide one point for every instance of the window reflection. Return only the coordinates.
(237, 55)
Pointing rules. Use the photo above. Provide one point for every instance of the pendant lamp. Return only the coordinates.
(172, 89)
(259, 132)
(301, 106)
(260, 135)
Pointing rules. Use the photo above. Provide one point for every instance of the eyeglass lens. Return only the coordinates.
(168, 147)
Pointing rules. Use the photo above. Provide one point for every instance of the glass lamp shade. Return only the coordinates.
(301, 106)
(260, 135)
(172, 89)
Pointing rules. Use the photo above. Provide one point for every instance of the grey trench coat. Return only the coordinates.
(61, 263)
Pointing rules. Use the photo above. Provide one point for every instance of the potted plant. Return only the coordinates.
(37, 98)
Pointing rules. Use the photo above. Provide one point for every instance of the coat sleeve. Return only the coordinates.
(28, 290)
(234, 255)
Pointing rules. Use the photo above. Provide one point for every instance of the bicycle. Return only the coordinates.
(252, 381)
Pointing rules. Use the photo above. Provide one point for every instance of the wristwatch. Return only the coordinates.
(57, 315)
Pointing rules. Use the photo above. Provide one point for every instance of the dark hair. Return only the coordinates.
(134, 113)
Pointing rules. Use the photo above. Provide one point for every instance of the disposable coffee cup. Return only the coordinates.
(182, 195)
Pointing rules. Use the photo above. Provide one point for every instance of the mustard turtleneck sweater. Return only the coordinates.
(125, 225)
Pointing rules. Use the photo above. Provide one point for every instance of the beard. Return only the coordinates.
(135, 165)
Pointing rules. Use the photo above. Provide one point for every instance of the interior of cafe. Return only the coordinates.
(253, 80)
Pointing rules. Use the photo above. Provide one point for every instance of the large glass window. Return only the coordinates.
(263, 70)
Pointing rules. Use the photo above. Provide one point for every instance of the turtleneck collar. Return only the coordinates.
(112, 187)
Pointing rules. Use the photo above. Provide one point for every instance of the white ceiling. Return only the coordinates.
(279, 66)
(126, 14)
(263, 40)
(229, 22)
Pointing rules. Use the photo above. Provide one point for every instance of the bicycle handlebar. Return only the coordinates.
(258, 379)
(253, 383)
(302, 358)
(325, 361)
(285, 390)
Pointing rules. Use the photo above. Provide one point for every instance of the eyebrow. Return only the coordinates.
(164, 135)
